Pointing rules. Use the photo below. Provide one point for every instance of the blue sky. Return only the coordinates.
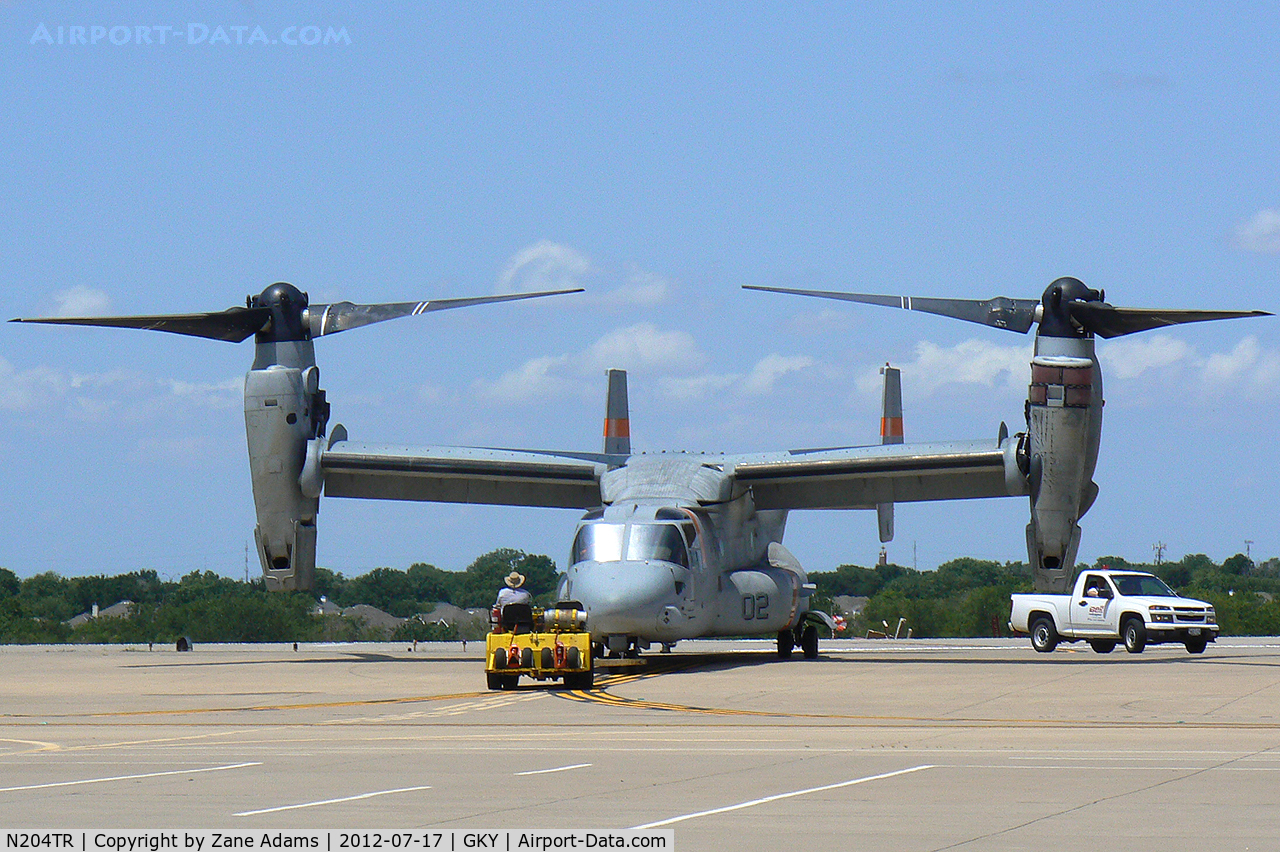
(660, 155)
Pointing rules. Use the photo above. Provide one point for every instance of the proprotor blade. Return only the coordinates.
(341, 316)
(232, 325)
(1012, 314)
(1108, 321)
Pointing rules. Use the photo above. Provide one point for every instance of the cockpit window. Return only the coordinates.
(657, 541)
(599, 542)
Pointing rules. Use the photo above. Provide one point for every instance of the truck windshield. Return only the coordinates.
(1143, 586)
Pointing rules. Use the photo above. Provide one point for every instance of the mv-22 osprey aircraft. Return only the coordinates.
(677, 545)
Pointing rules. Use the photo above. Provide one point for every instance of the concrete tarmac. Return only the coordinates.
(877, 745)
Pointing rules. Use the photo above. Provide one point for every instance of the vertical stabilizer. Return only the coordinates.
(617, 422)
(890, 433)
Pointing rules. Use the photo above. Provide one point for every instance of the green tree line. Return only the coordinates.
(961, 598)
(970, 597)
(207, 607)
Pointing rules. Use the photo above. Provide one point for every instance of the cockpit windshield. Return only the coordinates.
(657, 541)
(600, 542)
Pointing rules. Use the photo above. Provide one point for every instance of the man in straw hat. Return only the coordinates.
(513, 591)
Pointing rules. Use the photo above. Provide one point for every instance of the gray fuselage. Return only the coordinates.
(679, 552)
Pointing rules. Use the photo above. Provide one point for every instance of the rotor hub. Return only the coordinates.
(287, 305)
(1057, 320)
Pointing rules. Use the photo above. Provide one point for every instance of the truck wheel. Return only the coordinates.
(494, 680)
(509, 681)
(573, 658)
(1044, 636)
(1135, 636)
(809, 642)
(786, 641)
(1197, 644)
(1103, 646)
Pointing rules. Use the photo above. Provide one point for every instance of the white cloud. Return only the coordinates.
(642, 345)
(760, 380)
(224, 394)
(93, 396)
(824, 321)
(1130, 357)
(28, 389)
(694, 388)
(671, 357)
(971, 362)
(545, 265)
(548, 265)
(82, 301)
(1247, 367)
(768, 370)
(641, 289)
(539, 378)
(1260, 234)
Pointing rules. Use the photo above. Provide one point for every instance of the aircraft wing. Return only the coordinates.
(463, 475)
(862, 477)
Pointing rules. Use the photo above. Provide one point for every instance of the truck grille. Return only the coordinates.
(1188, 615)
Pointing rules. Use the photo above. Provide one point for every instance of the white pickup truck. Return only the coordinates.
(1107, 607)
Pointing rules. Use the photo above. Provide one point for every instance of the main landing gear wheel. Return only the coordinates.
(786, 641)
(809, 641)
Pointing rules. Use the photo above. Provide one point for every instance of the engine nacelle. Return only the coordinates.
(285, 414)
(1064, 427)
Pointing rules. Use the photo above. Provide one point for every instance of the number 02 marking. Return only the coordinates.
(755, 607)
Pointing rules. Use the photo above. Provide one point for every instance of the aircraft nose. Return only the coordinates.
(622, 597)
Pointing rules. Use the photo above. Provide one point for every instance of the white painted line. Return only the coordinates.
(557, 769)
(331, 801)
(766, 799)
(1139, 767)
(127, 777)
